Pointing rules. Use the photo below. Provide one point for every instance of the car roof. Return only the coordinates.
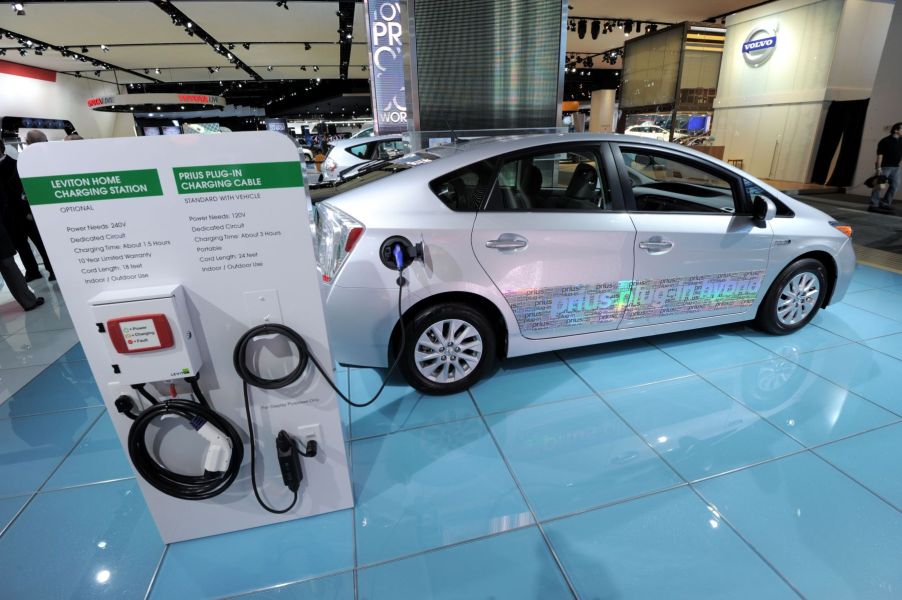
(364, 140)
(450, 157)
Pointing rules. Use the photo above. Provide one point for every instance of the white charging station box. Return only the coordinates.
(147, 333)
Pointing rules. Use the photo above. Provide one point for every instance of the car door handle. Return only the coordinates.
(507, 243)
(656, 245)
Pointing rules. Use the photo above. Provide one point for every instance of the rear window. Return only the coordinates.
(464, 190)
(360, 151)
(323, 191)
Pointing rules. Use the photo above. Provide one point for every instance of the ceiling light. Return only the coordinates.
(629, 27)
(96, 73)
(363, 68)
(2, 52)
(84, 49)
(269, 68)
(18, 8)
(246, 46)
(159, 108)
(157, 70)
(307, 46)
(581, 28)
(596, 29)
(303, 68)
(39, 52)
(315, 68)
(189, 25)
(104, 47)
(22, 51)
(283, 4)
(231, 46)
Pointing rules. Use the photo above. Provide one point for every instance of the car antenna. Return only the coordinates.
(454, 137)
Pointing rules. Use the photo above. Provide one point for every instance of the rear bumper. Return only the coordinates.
(359, 322)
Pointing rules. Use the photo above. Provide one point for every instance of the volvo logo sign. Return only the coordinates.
(759, 46)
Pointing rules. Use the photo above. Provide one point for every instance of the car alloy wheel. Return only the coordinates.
(448, 350)
(794, 297)
(798, 298)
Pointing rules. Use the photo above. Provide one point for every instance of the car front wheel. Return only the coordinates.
(794, 298)
(448, 348)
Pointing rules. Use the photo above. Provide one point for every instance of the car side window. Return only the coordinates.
(360, 150)
(753, 189)
(464, 190)
(664, 183)
(567, 180)
(391, 149)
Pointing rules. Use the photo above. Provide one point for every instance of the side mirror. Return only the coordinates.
(763, 209)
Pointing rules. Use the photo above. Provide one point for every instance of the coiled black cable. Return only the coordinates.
(239, 360)
(186, 487)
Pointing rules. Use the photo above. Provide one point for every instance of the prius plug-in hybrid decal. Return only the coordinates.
(574, 307)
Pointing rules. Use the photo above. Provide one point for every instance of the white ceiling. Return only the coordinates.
(141, 36)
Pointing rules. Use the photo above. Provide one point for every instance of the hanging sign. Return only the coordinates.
(385, 27)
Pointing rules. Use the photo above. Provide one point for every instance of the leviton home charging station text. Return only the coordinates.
(223, 238)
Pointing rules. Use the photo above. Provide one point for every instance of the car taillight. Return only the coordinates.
(842, 227)
(336, 236)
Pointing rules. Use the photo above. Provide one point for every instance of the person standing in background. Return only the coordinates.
(29, 229)
(10, 195)
(889, 155)
(13, 213)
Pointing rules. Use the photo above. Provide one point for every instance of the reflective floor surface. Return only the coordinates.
(722, 463)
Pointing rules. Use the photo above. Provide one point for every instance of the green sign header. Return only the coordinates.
(237, 178)
(57, 189)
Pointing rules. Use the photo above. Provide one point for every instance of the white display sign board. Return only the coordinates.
(224, 217)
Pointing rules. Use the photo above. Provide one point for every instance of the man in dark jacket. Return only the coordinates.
(12, 276)
(17, 218)
(889, 155)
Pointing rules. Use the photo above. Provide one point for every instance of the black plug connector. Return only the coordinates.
(289, 460)
(126, 406)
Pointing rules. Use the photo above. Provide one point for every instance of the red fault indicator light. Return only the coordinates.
(140, 333)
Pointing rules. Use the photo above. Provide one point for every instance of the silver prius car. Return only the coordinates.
(537, 243)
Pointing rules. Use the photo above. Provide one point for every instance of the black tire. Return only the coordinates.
(768, 318)
(459, 378)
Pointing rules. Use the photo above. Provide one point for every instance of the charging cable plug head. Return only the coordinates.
(219, 449)
(289, 460)
(126, 406)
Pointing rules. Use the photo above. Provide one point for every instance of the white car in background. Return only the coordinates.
(532, 244)
(652, 131)
(346, 154)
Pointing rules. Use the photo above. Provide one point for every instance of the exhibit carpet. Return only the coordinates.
(711, 464)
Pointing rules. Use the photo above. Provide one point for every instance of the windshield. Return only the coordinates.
(369, 172)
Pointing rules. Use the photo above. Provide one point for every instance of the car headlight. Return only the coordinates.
(336, 236)
(331, 165)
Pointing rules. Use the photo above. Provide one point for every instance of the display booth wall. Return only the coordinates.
(771, 115)
(885, 107)
(64, 99)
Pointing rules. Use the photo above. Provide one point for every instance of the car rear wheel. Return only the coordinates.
(794, 298)
(448, 348)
